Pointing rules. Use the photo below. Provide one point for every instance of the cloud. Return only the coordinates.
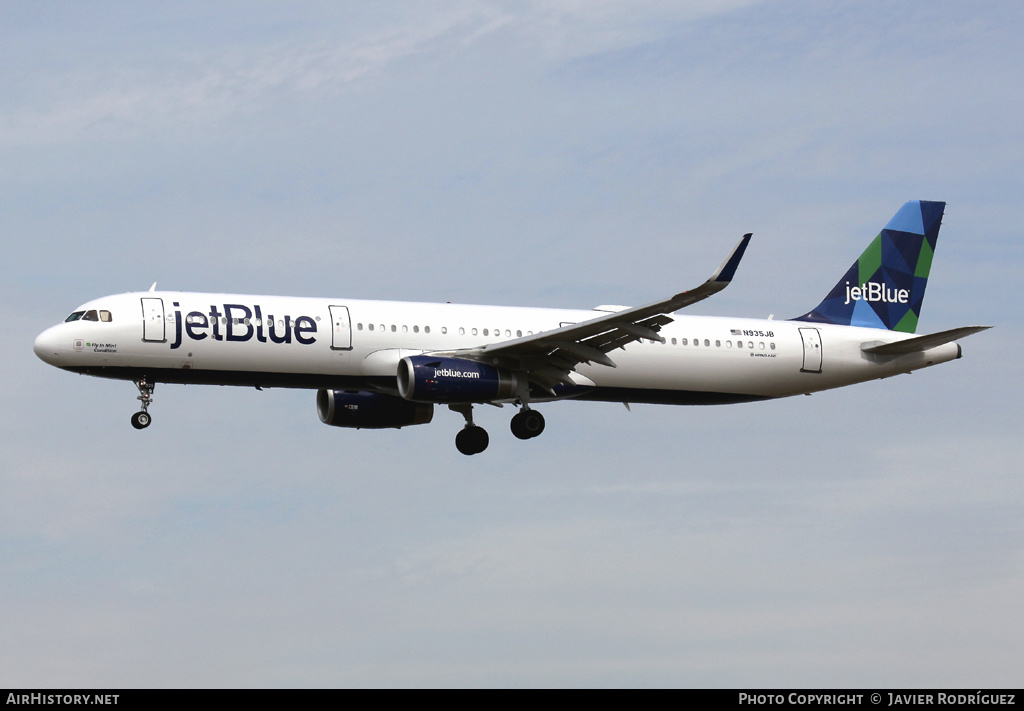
(212, 85)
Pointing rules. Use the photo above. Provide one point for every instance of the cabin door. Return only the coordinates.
(341, 329)
(812, 350)
(153, 329)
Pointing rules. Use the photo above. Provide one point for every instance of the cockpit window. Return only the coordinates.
(91, 315)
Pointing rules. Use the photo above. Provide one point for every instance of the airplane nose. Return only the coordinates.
(46, 346)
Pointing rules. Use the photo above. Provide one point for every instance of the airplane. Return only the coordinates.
(386, 364)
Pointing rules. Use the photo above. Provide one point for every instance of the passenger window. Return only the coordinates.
(772, 346)
(519, 334)
(426, 329)
(485, 331)
(685, 342)
(718, 344)
(739, 344)
(415, 329)
(707, 342)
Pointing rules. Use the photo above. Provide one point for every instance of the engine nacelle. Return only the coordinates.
(424, 378)
(344, 408)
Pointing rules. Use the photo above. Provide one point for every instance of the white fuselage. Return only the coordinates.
(276, 341)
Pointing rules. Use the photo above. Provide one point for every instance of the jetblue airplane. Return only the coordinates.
(378, 364)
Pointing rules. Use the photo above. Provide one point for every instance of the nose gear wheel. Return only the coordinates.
(142, 418)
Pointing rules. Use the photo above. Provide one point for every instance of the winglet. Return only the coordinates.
(715, 283)
(728, 268)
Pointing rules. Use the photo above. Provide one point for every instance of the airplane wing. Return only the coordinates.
(547, 358)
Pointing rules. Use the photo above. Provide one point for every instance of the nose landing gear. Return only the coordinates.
(141, 419)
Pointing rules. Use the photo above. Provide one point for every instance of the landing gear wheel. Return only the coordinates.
(527, 424)
(141, 419)
(472, 440)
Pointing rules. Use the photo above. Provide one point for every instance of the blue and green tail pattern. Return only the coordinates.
(885, 287)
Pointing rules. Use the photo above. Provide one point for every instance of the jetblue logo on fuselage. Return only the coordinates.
(241, 323)
(873, 291)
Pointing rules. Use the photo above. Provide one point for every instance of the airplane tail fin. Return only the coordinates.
(885, 287)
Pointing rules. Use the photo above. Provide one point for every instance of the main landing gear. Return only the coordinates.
(528, 423)
(473, 439)
(141, 419)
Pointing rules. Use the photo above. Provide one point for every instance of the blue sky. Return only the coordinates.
(545, 154)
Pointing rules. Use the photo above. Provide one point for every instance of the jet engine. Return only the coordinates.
(363, 410)
(424, 378)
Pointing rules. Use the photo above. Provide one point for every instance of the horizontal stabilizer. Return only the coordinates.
(921, 343)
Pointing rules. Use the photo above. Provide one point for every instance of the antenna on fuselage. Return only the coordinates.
(153, 288)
